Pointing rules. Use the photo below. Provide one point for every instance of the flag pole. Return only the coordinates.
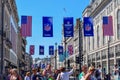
(2, 45)
(65, 52)
(56, 56)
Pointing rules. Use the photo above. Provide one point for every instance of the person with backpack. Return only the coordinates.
(98, 72)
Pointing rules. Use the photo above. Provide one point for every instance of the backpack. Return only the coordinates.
(97, 73)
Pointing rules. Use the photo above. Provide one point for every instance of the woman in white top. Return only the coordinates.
(27, 77)
(65, 75)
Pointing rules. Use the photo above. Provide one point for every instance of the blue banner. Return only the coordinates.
(47, 27)
(68, 27)
(60, 50)
(51, 50)
(41, 50)
(88, 26)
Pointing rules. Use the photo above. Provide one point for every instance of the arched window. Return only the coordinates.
(118, 24)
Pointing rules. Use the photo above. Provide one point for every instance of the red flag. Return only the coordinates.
(26, 26)
(32, 47)
(107, 26)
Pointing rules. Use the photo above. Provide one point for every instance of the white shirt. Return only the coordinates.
(65, 75)
(27, 78)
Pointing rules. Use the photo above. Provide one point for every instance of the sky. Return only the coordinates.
(53, 8)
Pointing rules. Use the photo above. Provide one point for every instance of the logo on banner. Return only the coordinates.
(47, 27)
(87, 28)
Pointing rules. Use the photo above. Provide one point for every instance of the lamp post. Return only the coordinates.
(80, 43)
(55, 55)
(109, 60)
(2, 35)
(65, 53)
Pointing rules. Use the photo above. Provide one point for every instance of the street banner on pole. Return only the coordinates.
(107, 26)
(68, 27)
(32, 47)
(47, 27)
(51, 50)
(60, 50)
(26, 26)
(41, 50)
(88, 26)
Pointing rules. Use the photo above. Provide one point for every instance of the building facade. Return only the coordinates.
(8, 37)
(96, 48)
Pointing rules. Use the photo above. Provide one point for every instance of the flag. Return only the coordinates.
(26, 26)
(32, 47)
(47, 27)
(51, 50)
(107, 26)
(13, 38)
(41, 50)
(70, 49)
(88, 26)
(68, 27)
(60, 50)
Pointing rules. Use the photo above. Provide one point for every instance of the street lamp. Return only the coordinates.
(80, 43)
(2, 38)
(55, 55)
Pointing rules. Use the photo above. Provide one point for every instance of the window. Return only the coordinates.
(118, 24)
(98, 36)
(93, 43)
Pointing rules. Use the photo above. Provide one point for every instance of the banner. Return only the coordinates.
(60, 50)
(68, 27)
(70, 49)
(26, 26)
(47, 27)
(41, 50)
(88, 26)
(107, 26)
(32, 47)
(51, 50)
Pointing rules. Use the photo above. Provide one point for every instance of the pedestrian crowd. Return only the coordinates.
(87, 73)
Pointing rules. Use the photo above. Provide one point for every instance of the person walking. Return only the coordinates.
(84, 71)
(27, 77)
(64, 75)
(116, 72)
(15, 75)
(98, 72)
(47, 72)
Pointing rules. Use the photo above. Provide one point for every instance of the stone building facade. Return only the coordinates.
(96, 48)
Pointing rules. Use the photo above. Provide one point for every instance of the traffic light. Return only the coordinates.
(81, 57)
(77, 60)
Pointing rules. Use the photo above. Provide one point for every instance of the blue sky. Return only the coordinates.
(55, 8)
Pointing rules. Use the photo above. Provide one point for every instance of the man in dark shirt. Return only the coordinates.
(34, 75)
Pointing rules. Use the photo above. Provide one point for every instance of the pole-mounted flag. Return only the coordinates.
(68, 26)
(26, 26)
(51, 50)
(32, 47)
(88, 26)
(60, 50)
(47, 27)
(41, 50)
(107, 26)
(70, 49)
